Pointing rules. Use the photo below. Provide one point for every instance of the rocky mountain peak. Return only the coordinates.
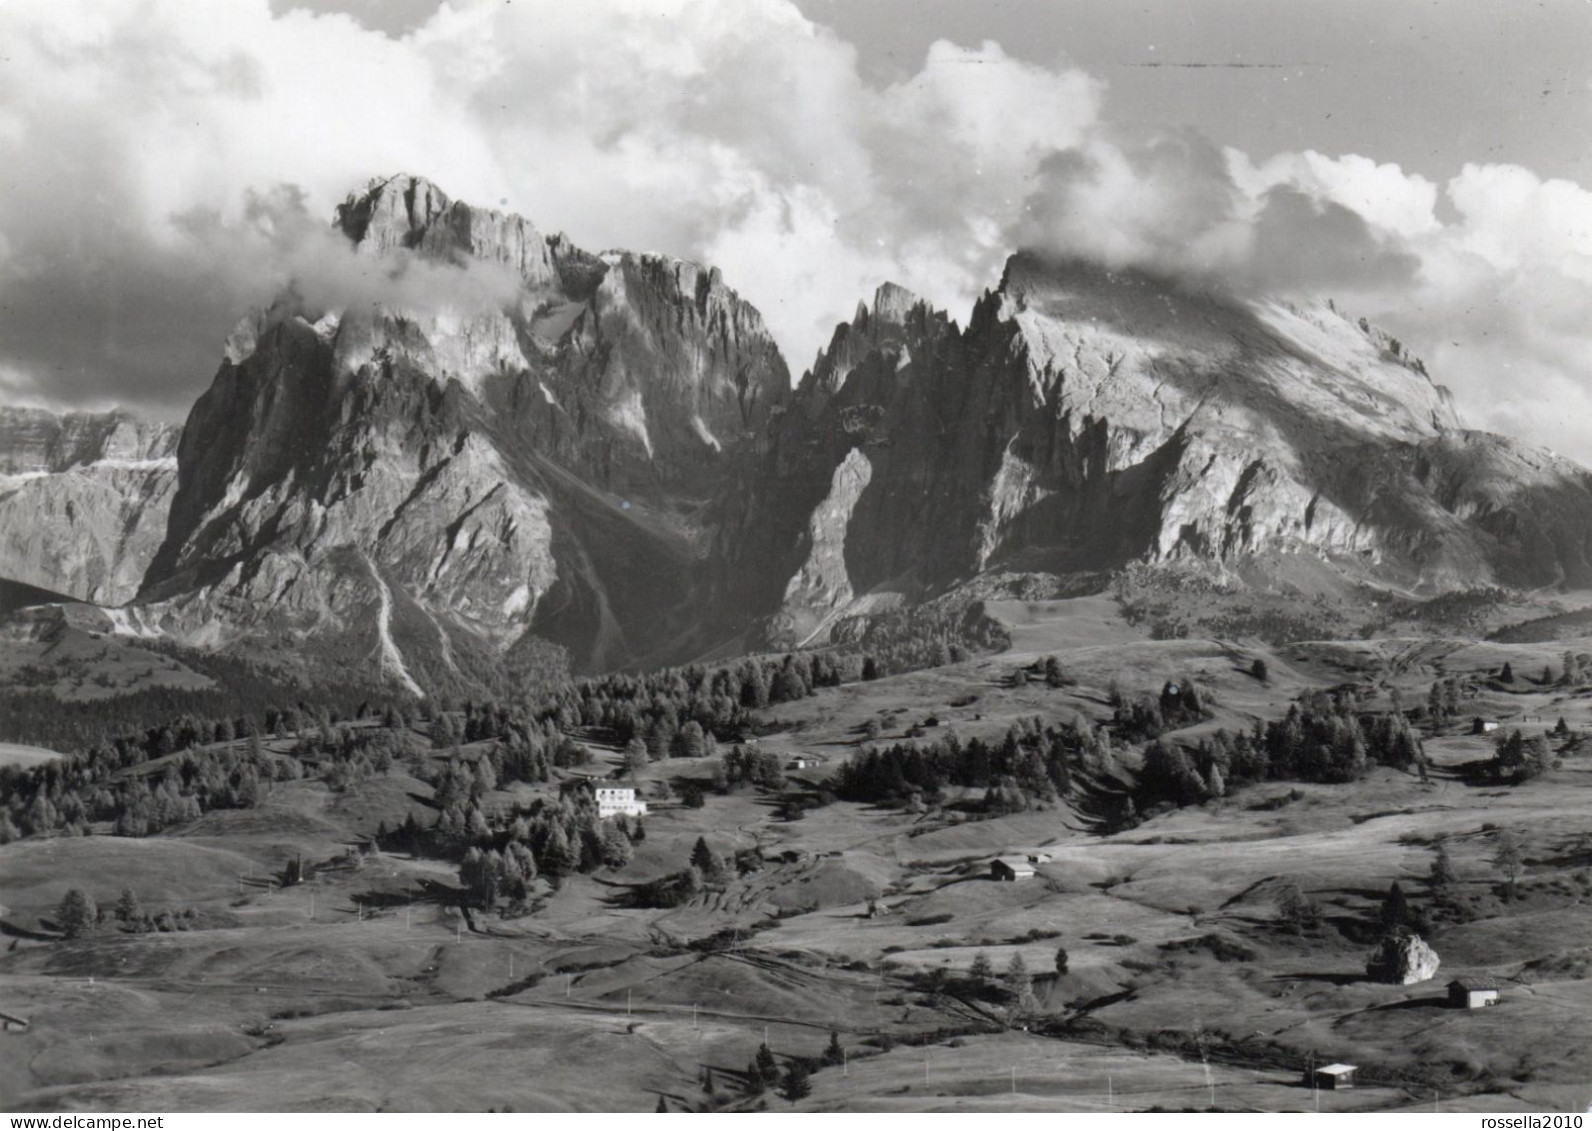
(609, 456)
(410, 213)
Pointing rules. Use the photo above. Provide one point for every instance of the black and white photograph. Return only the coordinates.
(888, 557)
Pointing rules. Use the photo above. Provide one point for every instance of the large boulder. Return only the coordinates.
(1402, 960)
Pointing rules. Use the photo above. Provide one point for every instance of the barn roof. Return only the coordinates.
(1337, 1069)
(1015, 863)
(1475, 983)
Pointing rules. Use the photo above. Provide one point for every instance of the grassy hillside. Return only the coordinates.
(1186, 985)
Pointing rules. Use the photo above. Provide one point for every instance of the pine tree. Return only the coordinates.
(1019, 983)
(834, 1053)
(1507, 858)
(706, 861)
(1395, 908)
(662, 1106)
(796, 1085)
(689, 742)
(76, 914)
(1443, 876)
(127, 908)
(982, 970)
(1061, 960)
(615, 849)
(557, 858)
(636, 757)
(1507, 675)
(1297, 910)
(766, 1066)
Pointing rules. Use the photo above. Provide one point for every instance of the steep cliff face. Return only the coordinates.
(604, 451)
(422, 484)
(1087, 418)
(83, 500)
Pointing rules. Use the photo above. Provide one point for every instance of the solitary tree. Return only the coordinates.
(834, 1054)
(662, 1106)
(1507, 675)
(1395, 908)
(1020, 985)
(1259, 670)
(1018, 980)
(1443, 876)
(1061, 960)
(127, 908)
(1507, 858)
(981, 971)
(76, 913)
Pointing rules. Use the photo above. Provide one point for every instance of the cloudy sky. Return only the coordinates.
(166, 164)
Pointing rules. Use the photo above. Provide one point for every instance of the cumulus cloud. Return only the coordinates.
(1179, 205)
(170, 164)
(1492, 289)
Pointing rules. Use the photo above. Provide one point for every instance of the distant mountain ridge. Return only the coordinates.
(612, 460)
(83, 499)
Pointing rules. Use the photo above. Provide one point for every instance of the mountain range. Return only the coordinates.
(609, 457)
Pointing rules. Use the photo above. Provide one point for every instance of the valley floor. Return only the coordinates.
(366, 989)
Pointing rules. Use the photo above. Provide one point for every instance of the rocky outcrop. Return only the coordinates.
(428, 484)
(1087, 418)
(1402, 959)
(604, 451)
(83, 500)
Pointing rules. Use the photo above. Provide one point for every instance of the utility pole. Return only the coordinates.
(693, 1015)
(845, 1063)
(511, 965)
(1111, 1097)
(627, 1004)
(312, 903)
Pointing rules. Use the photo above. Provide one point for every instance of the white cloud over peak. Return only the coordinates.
(144, 148)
